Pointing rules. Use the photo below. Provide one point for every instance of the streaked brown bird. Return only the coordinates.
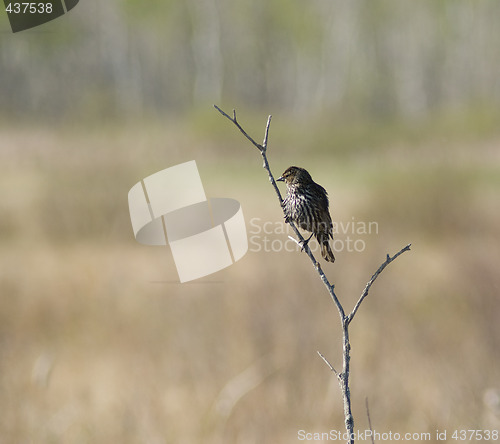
(306, 204)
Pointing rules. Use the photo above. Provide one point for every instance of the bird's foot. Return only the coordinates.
(304, 243)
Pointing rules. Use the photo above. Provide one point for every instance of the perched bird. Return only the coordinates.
(306, 204)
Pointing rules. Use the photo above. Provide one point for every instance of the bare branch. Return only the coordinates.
(233, 119)
(262, 148)
(307, 250)
(330, 366)
(369, 420)
(266, 135)
(343, 377)
(372, 280)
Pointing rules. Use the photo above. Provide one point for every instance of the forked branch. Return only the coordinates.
(372, 280)
(263, 148)
(233, 119)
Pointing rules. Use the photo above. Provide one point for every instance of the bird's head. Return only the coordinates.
(295, 175)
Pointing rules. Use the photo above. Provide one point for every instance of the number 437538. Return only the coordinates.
(29, 8)
(475, 435)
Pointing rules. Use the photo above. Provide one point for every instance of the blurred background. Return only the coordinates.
(392, 105)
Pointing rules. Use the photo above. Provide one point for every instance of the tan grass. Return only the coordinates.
(100, 344)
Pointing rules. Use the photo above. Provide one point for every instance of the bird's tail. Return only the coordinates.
(327, 252)
(323, 238)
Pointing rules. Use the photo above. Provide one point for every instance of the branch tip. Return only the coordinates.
(369, 419)
(330, 366)
(388, 260)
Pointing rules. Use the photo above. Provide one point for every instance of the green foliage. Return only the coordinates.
(152, 11)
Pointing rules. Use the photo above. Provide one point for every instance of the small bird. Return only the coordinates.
(306, 204)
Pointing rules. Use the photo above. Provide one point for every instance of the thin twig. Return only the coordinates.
(372, 280)
(233, 119)
(330, 366)
(369, 420)
(262, 148)
(266, 135)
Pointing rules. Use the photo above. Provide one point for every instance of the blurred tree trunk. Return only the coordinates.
(385, 59)
(206, 49)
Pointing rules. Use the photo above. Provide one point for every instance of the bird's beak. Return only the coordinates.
(280, 179)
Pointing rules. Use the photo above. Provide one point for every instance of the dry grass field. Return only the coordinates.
(99, 343)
